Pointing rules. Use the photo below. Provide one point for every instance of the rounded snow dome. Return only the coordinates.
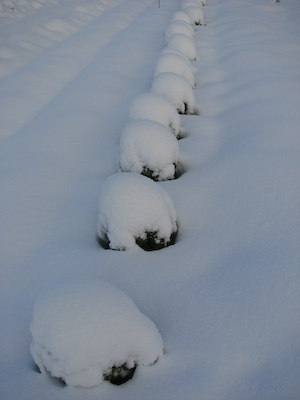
(148, 148)
(179, 27)
(85, 331)
(182, 16)
(135, 210)
(177, 64)
(196, 15)
(177, 90)
(183, 43)
(156, 108)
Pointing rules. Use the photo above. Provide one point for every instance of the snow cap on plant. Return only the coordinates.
(196, 15)
(179, 27)
(177, 90)
(182, 16)
(148, 148)
(183, 43)
(156, 108)
(177, 64)
(133, 209)
(84, 330)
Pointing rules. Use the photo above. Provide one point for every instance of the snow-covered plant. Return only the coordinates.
(183, 43)
(179, 27)
(169, 50)
(156, 108)
(134, 210)
(182, 16)
(86, 330)
(177, 90)
(196, 15)
(148, 148)
(177, 64)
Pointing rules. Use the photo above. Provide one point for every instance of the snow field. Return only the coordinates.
(225, 298)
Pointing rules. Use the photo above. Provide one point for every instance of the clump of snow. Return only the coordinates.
(177, 64)
(82, 329)
(179, 27)
(182, 16)
(156, 108)
(177, 90)
(196, 14)
(183, 43)
(148, 148)
(133, 208)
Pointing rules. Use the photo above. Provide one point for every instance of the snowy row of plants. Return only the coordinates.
(132, 208)
(87, 331)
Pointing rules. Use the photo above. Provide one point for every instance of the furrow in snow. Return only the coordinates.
(40, 81)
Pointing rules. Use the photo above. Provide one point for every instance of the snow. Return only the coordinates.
(132, 205)
(177, 90)
(195, 13)
(82, 328)
(177, 64)
(179, 27)
(182, 16)
(225, 296)
(183, 43)
(148, 147)
(156, 108)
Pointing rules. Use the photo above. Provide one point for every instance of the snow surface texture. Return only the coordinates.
(183, 43)
(156, 108)
(177, 64)
(179, 27)
(225, 298)
(132, 205)
(148, 148)
(83, 328)
(177, 89)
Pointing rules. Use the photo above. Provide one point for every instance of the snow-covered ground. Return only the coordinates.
(225, 297)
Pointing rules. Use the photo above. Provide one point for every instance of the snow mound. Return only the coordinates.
(196, 15)
(183, 43)
(84, 328)
(150, 149)
(135, 209)
(182, 16)
(179, 27)
(156, 108)
(169, 50)
(177, 64)
(177, 90)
